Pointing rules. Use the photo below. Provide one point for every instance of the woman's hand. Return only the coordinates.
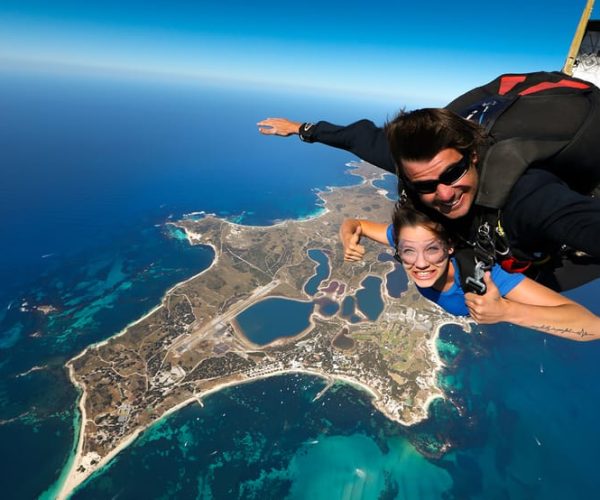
(350, 234)
(533, 305)
(278, 126)
(490, 307)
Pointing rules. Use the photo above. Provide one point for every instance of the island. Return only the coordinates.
(192, 344)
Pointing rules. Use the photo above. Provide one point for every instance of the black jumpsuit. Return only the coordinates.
(557, 132)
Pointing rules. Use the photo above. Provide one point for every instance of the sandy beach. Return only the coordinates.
(74, 478)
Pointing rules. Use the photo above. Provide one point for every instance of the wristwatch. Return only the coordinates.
(306, 131)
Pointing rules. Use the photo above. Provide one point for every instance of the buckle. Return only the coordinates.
(476, 283)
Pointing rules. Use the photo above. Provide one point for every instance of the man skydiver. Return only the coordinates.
(508, 167)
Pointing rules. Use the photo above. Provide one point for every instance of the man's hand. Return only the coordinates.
(350, 234)
(278, 126)
(488, 308)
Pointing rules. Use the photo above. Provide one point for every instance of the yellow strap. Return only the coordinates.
(577, 38)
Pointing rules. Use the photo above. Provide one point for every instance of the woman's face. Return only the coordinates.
(424, 256)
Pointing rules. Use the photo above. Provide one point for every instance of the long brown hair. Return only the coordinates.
(421, 134)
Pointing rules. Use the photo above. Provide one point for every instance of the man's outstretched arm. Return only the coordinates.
(362, 138)
(543, 209)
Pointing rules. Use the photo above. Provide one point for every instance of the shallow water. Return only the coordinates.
(269, 439)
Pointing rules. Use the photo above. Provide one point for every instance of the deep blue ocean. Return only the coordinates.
(93, 169)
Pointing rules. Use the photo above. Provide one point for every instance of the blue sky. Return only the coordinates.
(401, 49)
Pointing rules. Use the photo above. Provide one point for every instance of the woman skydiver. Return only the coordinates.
(425, 250)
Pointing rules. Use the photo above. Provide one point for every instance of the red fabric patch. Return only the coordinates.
(553, 85)
(508, 82)
(512, 265)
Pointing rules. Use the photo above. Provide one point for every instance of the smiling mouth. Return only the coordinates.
(448, 207)
(423, 275)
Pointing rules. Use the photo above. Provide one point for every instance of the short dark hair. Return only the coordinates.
(421, 134)
(405, 215)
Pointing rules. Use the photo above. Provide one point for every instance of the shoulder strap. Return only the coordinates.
(487, 111)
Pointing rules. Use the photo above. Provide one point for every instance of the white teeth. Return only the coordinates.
(424, 274)
(450, 204)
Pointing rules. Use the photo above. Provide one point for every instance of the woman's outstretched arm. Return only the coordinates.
(351, 232)
(535, 306)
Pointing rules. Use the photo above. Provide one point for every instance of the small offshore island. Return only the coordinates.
(192, 345)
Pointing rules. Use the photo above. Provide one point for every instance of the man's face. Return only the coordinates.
(454, 200)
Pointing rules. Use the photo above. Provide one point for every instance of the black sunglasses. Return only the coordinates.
(449, 176)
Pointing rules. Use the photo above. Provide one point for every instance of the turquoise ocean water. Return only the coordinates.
(93, 170)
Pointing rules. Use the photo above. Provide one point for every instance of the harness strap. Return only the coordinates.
(471, 270)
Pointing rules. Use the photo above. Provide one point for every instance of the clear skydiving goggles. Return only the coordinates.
(433, 252)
